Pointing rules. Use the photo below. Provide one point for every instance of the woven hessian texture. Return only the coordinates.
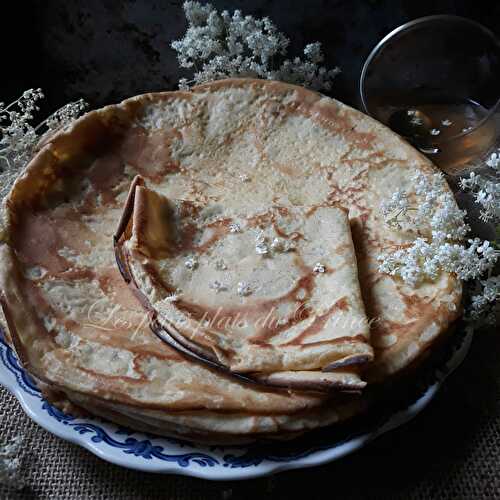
(451, 451)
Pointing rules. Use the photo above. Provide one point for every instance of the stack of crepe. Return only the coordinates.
(204, 264)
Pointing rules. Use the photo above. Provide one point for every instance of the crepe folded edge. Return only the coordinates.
(141, 229)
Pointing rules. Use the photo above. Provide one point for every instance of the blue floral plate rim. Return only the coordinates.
(149, 453)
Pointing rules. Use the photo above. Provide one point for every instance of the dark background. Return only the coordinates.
(107, 50)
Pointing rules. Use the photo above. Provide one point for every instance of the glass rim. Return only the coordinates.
(408, 25)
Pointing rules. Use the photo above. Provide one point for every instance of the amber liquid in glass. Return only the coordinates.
(451, 132)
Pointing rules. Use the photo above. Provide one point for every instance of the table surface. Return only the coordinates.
(105, 51)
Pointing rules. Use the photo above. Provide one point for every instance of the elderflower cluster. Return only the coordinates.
(486, 190)
(19, 137)
(10, 463)
(441, 248)
(424, 260)
(494, 161)
(223, 45)
(395, 207)
(437, 207)
(485, 301)
(434, 207)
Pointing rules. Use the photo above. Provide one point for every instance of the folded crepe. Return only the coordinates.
(78, 328)
(273, 294)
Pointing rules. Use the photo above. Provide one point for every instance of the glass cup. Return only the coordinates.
(436, 81)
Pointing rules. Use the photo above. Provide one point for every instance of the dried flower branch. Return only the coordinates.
(223, 45)
(64, 116)
(19, 138)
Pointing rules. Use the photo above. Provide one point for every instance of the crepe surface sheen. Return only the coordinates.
(250, 144)
(289, 298)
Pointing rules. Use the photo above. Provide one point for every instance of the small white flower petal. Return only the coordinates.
(191, 263)
(319, 268)
(244, 289)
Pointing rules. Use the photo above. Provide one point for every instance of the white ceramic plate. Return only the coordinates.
(156, 454)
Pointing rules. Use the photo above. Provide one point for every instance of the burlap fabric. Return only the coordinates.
(451, 451)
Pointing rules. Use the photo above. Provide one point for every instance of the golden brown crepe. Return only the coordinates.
(288, 306)
(78, 327)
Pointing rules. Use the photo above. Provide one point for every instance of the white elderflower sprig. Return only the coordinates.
(221, 45)
(434, 209)
(437, 208)
(486, 190)
(441, 248)
(395, 208)
(19, 137)
(485, 302)
(424, 260)
(494, 161)
(448, 221)
(10, 463)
